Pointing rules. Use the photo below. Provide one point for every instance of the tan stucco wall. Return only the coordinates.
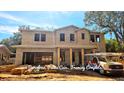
(19, 55)
(28, 38)
(78, 38)
(101, 44)
(53, 38)
(84, 41)
(67, 33)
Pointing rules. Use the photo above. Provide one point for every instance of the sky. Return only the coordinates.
(11, 20)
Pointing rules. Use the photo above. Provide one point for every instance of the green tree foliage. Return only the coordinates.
(110, 21)
(14, 40)
(113, 46)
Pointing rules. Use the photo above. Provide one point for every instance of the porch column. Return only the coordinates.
(70, 54)
(58, 56)
(82, 55)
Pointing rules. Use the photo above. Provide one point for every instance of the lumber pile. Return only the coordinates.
(18, 70)
(29, 71)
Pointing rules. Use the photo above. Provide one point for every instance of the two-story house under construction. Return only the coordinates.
(63, 46)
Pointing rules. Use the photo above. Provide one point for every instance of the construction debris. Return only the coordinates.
(51, 66)
(29, 71)
(7, 68)
(18, 70)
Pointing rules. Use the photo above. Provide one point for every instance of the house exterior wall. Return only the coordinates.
(53, 38)
(86, 40)
(53, 42)
(67, 33)
(78, 38)
(28, 38)
(20, 51)
(19, 56)
(101, 44)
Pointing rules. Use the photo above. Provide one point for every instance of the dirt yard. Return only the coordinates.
(69, 76)
(6, 74)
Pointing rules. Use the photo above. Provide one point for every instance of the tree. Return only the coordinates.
(14, 40)
(113, 46)
(110, 21)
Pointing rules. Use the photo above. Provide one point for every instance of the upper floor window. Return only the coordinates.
(43, 37)
(97, 38)
(62, 37)
(92, 38)
(83, 36)
(37, 37)
(72, 38)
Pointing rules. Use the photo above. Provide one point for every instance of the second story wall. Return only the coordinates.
(69, 36)
(28, 38)
(83, 37)
(66, 31)
(99, 40)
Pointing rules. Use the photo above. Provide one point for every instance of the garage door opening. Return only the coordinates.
(37, 58)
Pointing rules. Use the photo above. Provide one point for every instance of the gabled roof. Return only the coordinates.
(38, 29)
(62, 28)
(6, 49)
(67, 27)
(90, 31)
(83, 29)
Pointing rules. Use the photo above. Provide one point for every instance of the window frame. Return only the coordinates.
(93, 38)
(72, 37)
(36, 38)
(62, 37)
(82, 36)
(43, 37)
(98, 38)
